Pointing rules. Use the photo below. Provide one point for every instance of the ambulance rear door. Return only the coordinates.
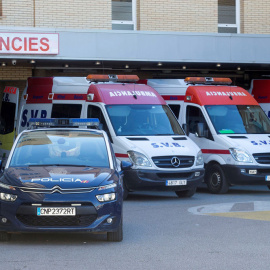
(8, 119)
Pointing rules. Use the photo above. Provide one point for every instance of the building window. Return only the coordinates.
(229, 16)
(124, 14)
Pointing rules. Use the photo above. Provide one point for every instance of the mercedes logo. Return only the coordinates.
(175, 162)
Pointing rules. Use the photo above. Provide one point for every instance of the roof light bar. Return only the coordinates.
(114, 78)
(208, 80)
(63, 122)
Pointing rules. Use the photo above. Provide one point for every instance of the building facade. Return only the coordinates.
(151, 38)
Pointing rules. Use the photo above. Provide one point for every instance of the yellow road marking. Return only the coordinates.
(256, 215)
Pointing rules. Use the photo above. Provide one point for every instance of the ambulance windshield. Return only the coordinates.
(143, 120)
(238, 119)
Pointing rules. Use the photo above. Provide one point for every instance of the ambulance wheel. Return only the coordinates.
(116, 236)
(4, 236)
(185, 193)
(216, 180)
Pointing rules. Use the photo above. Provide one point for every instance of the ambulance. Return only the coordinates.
(8, 119)
(229, 126)
(139, 124)
(260, 90)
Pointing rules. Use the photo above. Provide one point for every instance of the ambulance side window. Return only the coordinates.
(66, 111)
(95, 112)
(175, 109)
(193, 117)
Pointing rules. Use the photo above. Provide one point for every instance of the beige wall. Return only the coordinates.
(178, 15)
(256, 17)
(82, 14)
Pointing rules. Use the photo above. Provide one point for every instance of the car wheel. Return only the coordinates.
(116, 236)
(216, 180)
(268, 186)
(186, 193)
(4, 236)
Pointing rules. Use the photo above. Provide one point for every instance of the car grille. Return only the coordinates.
(262, 158)
(56, 221)
(56, 189)
(166, 161)
(86, 214)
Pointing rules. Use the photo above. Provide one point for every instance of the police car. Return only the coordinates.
(62, 177)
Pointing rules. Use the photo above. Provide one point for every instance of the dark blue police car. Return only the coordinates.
(62, 179)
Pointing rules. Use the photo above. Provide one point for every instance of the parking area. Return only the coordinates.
(161, 231)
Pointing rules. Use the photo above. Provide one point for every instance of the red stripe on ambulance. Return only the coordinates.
(215, 151)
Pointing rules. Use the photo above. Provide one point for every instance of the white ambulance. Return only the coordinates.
(260, 90)
(227, 124)
(140, 126)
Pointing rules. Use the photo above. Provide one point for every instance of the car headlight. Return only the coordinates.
(106, 197)
(139, 159)
(107, 186)
(8, 197)
(199, 159)
(240, 155)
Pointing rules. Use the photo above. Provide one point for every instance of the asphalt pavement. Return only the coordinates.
(161, 231)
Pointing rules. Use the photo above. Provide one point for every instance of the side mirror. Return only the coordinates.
(126, 165)
(186, 128)
(200, 130)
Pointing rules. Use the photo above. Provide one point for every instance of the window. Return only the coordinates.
(123, 14)
(175, 109)
(66, 110)
(95, 112)
(193, 117)
(228, 16)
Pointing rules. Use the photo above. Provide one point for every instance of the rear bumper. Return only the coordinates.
(156, 179)
(241, 175)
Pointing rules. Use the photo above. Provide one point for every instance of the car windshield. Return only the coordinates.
(60, 147)
(141, 120)
(238, 119)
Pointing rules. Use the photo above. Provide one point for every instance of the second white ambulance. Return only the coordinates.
(140, 126)
(229, 126)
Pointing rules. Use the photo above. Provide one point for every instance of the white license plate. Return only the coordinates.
(267, 178)
(56, 211)
(176, 182)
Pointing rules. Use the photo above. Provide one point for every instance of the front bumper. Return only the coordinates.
(156, 179)
(21, 215)
(240, 175)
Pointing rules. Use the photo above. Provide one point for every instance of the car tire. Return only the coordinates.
(268, 186)
(116, 236)
(4, 236)
(216, 180)
(186, 193)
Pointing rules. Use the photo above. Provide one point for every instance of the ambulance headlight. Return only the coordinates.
(240, 155)
(199, 159)
(139, 159)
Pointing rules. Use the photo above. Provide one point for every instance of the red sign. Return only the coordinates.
(10, 90)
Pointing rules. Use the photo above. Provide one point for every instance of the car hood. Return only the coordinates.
(161, 145)
(50, 176)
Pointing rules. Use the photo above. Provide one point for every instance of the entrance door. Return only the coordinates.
(8, 119)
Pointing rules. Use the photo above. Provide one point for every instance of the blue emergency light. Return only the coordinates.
(63, 122)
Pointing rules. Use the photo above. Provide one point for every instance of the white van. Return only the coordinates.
(260, 90)
(140, 126)
(227, 124)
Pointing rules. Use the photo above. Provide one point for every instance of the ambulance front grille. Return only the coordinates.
(174, 162)
(262, 158)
